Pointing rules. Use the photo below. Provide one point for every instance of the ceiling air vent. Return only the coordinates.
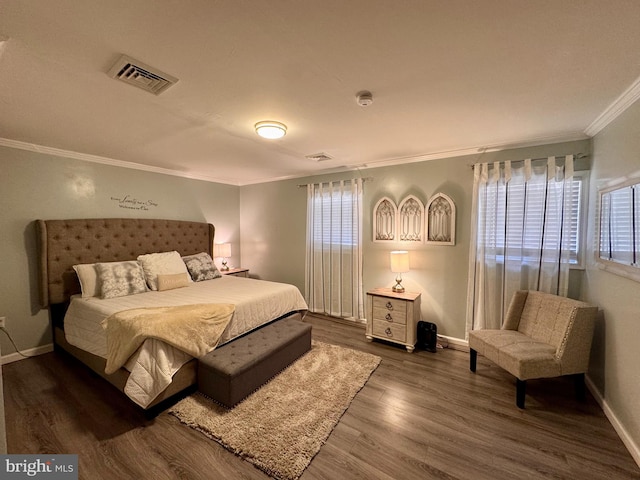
(140, 75)
(319, 157)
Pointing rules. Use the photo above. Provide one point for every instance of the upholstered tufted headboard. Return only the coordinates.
(64, 243)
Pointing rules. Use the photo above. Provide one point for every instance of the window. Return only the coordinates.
(522, 232)
(619, 237)
(333, 283)
(335, 221)
(526, 233)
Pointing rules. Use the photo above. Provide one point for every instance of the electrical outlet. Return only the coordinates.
(2, 321)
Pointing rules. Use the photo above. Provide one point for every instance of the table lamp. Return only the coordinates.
(222, 250)
(399, 265)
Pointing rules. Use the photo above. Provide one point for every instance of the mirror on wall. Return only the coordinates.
(619, 228)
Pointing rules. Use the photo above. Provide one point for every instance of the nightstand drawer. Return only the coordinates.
(389, 316)
(390, 305)
(391, 331)
(389, 310)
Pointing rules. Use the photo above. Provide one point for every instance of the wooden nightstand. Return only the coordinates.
(236, 272)
(393, 316)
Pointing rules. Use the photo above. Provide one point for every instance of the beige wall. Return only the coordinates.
(272, 217)
(615, 358)
(37, 186)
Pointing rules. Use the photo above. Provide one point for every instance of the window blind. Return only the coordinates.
(542, 213)
(337, 221)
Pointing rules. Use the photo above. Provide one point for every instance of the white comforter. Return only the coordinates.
(153, 365)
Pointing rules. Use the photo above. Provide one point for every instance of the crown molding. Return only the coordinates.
(477, 150)
(57, 152)
(613, 111)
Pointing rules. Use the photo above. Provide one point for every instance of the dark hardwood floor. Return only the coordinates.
(421, 416)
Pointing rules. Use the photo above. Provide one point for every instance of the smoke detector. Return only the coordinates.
(364, 98)
(136, 73)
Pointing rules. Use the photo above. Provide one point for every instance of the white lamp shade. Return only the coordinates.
(399, 261)
(222, 250)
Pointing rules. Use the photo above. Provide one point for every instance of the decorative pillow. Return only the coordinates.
(121, 278)
(88, 276)
(201, 267)
(166, 263)
(169, 282)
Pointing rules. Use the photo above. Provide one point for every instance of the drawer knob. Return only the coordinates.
(388, 317)
(388, 332)
(389, 306)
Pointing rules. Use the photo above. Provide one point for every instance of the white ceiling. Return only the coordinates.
(448, 77)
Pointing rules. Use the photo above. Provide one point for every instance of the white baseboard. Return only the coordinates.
(633, 448)
(32, 352)
(453, 343)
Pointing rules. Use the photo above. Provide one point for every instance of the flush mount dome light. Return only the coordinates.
(270, 129)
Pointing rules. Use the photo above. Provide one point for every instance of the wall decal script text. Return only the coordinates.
(133, 203)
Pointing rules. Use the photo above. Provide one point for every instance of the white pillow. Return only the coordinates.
(88, 276)
(167, 263)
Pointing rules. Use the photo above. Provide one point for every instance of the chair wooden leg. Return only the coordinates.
(473, 359)
(521, 387)
(578, 380)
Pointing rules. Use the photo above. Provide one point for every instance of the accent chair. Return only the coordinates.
(543, 336)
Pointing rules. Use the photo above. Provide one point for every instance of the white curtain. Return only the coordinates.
(520, 234)
(333, 283)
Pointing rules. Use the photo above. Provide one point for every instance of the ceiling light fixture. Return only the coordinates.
(270, 129)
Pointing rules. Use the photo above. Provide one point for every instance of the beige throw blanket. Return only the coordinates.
(194, 329)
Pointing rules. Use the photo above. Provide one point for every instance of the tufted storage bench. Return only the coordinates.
(231, 372)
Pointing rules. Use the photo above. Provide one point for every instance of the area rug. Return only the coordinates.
(281, 426)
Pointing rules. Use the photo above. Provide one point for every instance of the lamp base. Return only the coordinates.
(224, 266)
(398, 288)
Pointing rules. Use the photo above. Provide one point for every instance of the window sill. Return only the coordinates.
(626, 271)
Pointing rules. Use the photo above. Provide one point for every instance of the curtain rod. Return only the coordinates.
(576, 156)
(365, 179)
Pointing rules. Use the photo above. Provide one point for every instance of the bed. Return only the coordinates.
(77, 317)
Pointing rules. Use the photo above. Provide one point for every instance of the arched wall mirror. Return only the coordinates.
(385, 214)
(411, 215)
(441, 220)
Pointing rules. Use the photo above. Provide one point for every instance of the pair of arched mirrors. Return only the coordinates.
(412, 222)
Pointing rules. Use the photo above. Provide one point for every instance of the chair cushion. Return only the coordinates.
(517, 353)
(547, 318)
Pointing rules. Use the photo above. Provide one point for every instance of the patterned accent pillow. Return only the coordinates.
(165, 263)
(201, 267)
(121, 278)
